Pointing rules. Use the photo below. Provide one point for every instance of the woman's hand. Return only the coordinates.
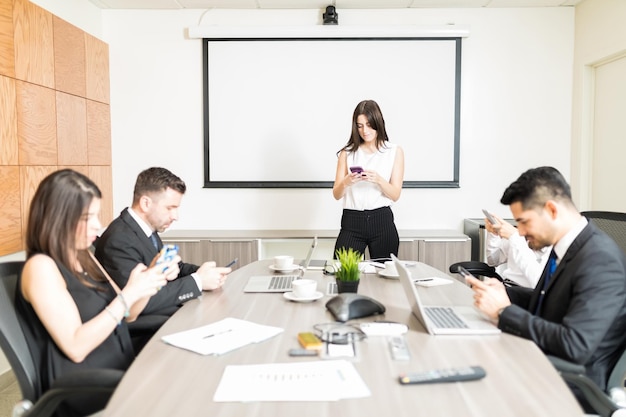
(145, 282)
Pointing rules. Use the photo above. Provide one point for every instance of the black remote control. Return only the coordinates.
(469, 373)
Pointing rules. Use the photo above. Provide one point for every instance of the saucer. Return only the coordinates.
(285, 269)
(291, 297)
(388, 275)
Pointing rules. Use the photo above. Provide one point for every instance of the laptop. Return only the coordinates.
(280, 282)
(270, 283)
(315, 264)
(448, 320)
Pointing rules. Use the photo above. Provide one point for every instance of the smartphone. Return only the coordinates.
(490, 217)
(464, 272)
(167, 253)
(231, 263)
(356, 169)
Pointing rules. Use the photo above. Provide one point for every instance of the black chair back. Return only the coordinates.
(12, 340)
(612, 223)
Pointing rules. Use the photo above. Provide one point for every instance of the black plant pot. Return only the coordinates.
(347, 286)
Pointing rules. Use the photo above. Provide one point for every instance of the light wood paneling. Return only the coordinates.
(98, 133)
(45, 120)
(10, 210)
(8, 122)
(36, 124)
(30, 177)
(7, 54)
(71, 129)
(33, 37)
(101, 175)
(69, 58)
(97, 55)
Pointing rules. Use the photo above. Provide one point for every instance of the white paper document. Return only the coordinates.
(330, 380)
(222, 336)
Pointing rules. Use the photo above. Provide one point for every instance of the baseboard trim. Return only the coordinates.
(6, 378)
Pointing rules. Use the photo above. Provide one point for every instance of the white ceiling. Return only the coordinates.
(321, 4)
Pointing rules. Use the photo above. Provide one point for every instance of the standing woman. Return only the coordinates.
(73, 311)
(367, 219)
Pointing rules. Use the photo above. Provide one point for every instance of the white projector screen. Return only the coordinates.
(278, 110)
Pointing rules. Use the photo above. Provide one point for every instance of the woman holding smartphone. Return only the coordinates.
(73, 311)
(369, 176)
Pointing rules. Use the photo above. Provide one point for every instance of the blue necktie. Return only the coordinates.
(155, 240)
(550, 268)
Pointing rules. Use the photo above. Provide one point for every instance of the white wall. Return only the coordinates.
(600, 35)
(516, 112)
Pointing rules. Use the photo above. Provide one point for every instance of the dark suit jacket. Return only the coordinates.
(123, 245)
(583, 315)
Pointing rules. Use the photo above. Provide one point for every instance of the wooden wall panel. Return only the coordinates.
(30, 177)
(69, 58)
(101, 175)
(47, 69)
(97, 64)
(98, 133)
(7, 53)
(33, 37)
(8, 122)
(71, 129)
(36, 124)
(10, 210)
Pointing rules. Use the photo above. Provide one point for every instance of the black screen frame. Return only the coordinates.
(208, 183)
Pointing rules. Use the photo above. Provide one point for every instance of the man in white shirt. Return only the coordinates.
(510, 253)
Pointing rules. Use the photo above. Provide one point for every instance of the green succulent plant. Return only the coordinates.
(349, 264)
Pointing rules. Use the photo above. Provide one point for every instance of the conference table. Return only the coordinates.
(169, 381)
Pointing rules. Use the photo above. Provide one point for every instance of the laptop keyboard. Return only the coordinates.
(445, 317)
(281, 282)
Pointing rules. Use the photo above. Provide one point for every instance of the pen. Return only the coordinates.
(217, 334)
(231, 263)
(423, 280)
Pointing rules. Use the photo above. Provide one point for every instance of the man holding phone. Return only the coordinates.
(510, 253)
(577, 312)
(133, 238)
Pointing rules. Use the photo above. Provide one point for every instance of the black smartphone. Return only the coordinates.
(231, 263)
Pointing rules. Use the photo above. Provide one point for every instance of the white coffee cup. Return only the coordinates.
(283, 261)
(304, 288)
(390, 268)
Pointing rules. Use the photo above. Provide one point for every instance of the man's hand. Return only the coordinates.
(489, 296)
(212, 277)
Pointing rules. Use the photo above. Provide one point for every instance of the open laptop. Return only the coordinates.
(315, 264)
(449, 320)
(280, 282)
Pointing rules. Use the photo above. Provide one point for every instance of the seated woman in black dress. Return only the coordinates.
(73, 310)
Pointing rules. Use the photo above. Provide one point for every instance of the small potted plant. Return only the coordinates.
(348, 274)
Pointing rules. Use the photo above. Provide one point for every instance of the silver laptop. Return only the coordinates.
(451, 320)
(279, 282)
(315, 264)
(271, 283)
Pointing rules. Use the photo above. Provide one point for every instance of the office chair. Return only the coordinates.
(612, 223)
(14, 344)
(609, 403)
(481, 269)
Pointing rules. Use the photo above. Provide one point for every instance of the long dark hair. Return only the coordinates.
(370, 109)
(57, 207)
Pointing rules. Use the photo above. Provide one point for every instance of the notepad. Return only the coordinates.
(221, 337)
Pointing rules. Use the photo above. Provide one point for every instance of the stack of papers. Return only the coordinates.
(297, 381)
(222, 336)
